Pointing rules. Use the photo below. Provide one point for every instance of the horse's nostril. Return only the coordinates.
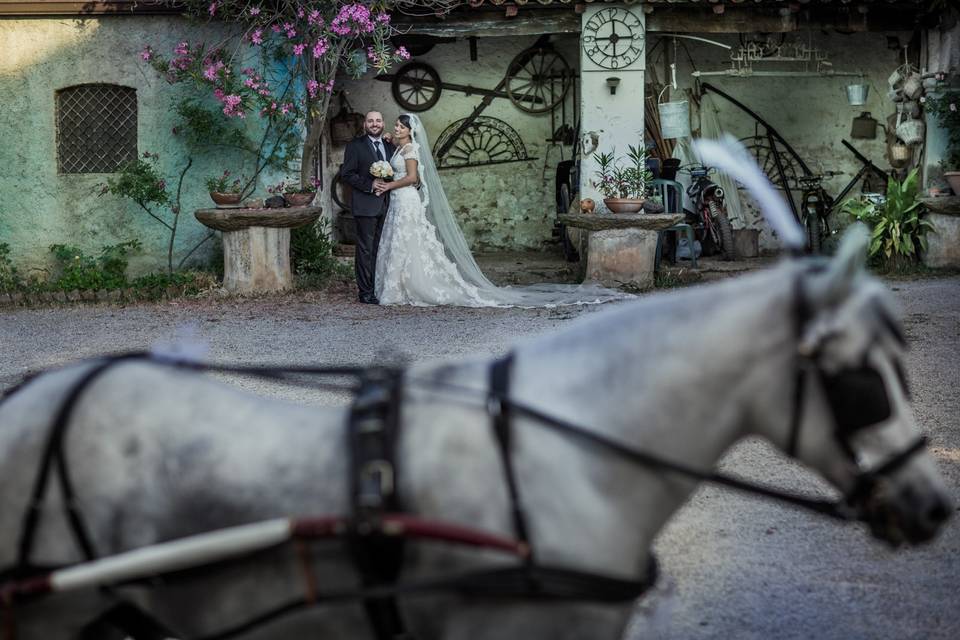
(938, 512)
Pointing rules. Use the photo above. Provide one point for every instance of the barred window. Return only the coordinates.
(96, 128)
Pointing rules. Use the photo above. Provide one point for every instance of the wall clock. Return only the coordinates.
(613, 38)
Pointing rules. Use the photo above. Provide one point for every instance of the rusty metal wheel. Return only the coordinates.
(539, 73)
(416, 86)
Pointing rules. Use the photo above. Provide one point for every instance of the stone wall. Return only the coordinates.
(38, 206)
(505, 206)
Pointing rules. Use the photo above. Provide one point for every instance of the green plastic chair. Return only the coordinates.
(671, 194)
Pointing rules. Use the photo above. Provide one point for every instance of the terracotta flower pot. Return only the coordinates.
(228, 199)
(624, 205)
(300, 199)
(953, 178)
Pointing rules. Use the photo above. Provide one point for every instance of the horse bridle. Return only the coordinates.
(863, 384)
(374, 430)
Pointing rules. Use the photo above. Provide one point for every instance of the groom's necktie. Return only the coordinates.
(379, 149)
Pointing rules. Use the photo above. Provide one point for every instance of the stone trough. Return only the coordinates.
(619, 249)
(256, 245)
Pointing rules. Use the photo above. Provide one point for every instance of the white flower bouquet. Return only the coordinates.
(381, 169)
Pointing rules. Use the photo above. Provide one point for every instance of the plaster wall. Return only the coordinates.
(811, 113)
(38, 206)
(611, 121)
(503, 206)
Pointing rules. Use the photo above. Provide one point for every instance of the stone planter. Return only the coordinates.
(300, 199)
(953, 179)
(225, 199)
(624, 205)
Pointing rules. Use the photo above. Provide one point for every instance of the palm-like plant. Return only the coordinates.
(898, 230)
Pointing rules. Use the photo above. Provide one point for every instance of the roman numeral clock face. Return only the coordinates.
(613, 38)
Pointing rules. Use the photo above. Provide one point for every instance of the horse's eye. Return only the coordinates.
(857, 397)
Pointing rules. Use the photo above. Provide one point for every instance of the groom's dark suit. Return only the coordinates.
(368, 209)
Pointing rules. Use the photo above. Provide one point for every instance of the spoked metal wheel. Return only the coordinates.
(759, 148)
(416, 86)
(538, 80)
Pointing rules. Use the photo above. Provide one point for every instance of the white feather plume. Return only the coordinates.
(729, 156)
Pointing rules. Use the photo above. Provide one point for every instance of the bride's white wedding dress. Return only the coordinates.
(424, 260)
(412, 267)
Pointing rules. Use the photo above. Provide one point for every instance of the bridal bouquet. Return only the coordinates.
(381, 169)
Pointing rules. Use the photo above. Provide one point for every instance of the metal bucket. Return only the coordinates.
(674, 119)
(857, 94)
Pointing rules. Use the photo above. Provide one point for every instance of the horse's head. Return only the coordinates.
(852, 416)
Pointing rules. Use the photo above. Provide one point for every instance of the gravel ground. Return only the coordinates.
(734, 567)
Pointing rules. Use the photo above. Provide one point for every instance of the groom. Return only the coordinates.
(368, 208)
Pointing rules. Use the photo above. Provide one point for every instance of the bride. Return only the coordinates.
(423, 257)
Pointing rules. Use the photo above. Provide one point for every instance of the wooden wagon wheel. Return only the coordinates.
(538, 73)
(416, 86)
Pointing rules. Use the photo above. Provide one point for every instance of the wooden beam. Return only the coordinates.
(90, 7)
(485, 25)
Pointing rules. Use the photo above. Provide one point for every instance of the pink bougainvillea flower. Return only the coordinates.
(257, 37)
(146, 54)
(403, 53)
(212, 9)
(298, 49)
(320, 48)
(254, 11)
(182, 49)
(312, 87)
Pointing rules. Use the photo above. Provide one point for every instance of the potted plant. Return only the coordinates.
(898, 233)
(623, 181)
(294, 194)
(225, 192)
(946, 108)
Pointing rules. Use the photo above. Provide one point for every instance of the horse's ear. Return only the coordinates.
(827, 287)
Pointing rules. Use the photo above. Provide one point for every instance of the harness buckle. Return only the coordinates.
(376, 483)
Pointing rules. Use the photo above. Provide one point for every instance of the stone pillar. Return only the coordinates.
(256, 260)
(612, 45)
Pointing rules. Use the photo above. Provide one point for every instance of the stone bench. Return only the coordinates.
(943, 242)
(256, 245)
(620, 248)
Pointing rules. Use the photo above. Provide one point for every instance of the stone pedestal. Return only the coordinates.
(943, 242)
(620, 248)
(256, 245)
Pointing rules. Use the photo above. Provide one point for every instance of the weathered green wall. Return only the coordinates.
(38, 206)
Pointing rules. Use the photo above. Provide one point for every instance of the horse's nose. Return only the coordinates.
(938, 511)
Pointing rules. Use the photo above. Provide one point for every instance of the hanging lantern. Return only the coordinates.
(346, 125)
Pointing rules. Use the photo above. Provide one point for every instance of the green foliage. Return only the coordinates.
(223, 184)
(946, 108)
(311, 255)
(898, 232)
(140, 180)
(153, 285)
(623, 181)
(76, 270)
(10, 278)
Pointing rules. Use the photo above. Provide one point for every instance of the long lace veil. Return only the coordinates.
(440, 214)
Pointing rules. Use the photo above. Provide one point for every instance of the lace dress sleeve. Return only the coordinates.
(410, 151)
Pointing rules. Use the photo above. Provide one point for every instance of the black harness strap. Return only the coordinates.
(53, 454)
(500, 412)
(373, 431)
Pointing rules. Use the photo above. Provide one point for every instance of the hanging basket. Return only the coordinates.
(910, 131)
(346, 125)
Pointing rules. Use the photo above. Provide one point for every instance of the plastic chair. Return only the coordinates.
(671, 194)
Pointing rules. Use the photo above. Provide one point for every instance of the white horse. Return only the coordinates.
(156, 453)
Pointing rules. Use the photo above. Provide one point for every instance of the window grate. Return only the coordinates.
(96, 128)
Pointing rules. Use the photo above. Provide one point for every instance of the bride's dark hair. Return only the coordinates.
(405, 121)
